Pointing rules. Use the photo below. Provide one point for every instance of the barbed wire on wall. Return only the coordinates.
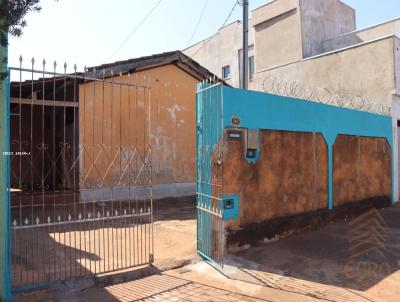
(279, 86)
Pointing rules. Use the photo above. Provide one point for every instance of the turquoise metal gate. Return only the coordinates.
(209, 188)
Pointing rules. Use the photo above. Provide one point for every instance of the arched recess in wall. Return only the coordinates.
(290, 176)
(361, 169)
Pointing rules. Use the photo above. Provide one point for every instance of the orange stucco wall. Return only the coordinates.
(163, 117)
(291, 175)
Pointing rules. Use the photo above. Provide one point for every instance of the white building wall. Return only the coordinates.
(364, 35)
(277, 33)
(365, 63)
(287, 35)
(396, 117)
(220, 50)
(282, 31)
(356, 71)
(396, 145)
(278, 40)
(396, 50)
(323, 20)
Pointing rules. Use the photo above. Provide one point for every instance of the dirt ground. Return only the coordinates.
(174, 232)
(353, 261)
(60, 252)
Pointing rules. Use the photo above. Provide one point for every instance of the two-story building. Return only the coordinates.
(305, 47)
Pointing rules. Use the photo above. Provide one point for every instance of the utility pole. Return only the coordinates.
(245, 63)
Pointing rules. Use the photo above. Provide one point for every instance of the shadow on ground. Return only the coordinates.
(157, 287)
(44, 254)
(163, 287)
(341, 261)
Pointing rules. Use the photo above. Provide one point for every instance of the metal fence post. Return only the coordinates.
(5, 264)
(330, 138)
(330, 176)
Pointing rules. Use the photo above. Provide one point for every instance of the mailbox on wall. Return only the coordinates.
(231, 206)
(252, 145)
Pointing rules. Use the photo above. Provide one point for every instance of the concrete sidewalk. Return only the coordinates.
(164, 287)
(196, 282)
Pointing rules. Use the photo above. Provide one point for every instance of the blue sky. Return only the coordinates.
(87, 32)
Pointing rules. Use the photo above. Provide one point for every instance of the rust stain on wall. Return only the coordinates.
(290, 176)
(361, 169)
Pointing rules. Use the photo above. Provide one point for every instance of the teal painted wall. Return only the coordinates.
(262, 111)
(258, 110)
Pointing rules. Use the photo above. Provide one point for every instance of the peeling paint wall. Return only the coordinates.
(173, 124)
(113, 115)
